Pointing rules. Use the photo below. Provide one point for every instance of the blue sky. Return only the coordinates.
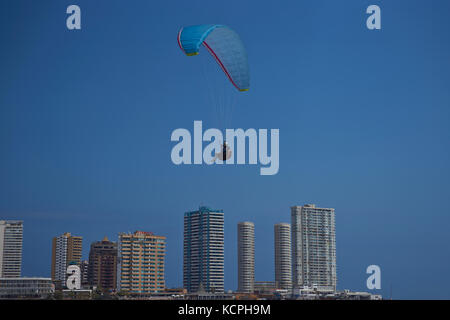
(86, 118)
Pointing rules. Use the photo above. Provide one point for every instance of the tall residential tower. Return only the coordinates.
(102, 267)
(283, 271)
(66, 249)
(203, 258)
(11, 237)
(246, 257)
(141, 262)
(313, 247)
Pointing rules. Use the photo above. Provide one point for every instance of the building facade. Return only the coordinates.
(283, 264)
(313, 247)
(141, 263)
(84, 270)
(265, 287)
(11, 238)
(29, 288)
(102, 269)
(203, 254)
(66, 249)
(246, 257)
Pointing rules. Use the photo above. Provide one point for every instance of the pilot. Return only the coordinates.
(224, 155)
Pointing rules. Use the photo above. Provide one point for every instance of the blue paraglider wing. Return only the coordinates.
(224, 45)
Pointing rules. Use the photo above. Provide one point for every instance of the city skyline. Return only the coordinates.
(283, 235)
(108, 262)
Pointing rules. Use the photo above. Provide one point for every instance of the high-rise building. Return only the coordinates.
(66, 249)
(103, 264)
(203, 258)
(246, 257)
(313, 247)
(141, 262)
(11, 238)
(283, 269)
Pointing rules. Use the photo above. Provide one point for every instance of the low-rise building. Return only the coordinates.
(265, 287)
(26, 288)
(315, 293)
(350, 295)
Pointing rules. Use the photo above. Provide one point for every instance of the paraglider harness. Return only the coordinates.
(224, 151)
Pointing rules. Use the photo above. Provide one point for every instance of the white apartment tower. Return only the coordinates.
(313, 247)
(11, 238)
(246, 257)
(283, 271)
(66, 250)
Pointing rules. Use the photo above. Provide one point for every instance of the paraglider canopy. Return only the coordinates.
(224, 45)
